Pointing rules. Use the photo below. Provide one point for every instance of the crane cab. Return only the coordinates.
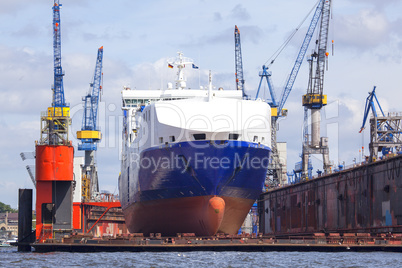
(312, 100)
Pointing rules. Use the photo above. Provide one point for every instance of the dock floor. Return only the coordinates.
(234, 243)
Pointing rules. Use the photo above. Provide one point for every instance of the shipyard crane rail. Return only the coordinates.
(238, 62)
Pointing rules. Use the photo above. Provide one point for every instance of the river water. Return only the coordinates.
(9, 257)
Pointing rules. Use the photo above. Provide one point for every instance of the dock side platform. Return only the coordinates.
(243, 242)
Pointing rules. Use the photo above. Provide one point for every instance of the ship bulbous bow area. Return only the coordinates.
(201, 215)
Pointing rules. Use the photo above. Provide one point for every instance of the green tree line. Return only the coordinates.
(4, 208)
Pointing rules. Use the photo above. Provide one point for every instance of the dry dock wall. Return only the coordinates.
(364, 199)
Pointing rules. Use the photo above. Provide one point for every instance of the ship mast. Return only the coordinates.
(210, 86)
(180, 62)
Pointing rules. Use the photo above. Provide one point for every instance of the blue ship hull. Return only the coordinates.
(193, 173)
(203, 168)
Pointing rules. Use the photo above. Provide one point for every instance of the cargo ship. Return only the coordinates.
(193, 160)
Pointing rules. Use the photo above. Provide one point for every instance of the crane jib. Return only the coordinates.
(303, 49)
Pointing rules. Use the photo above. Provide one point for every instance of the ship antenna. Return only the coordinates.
(180, 63)
(181, 82)
(210, 86)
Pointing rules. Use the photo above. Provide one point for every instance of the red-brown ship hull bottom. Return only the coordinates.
(202, 215)
(236, 210)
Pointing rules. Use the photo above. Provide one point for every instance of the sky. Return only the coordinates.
(138, 38)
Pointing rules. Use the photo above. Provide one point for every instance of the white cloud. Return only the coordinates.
(378, 4)
(366, 30)
(239, 12)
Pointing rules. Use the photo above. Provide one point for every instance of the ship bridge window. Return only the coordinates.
(233, 136)
(255, 139)
(200, 136)
(172, 139)
(160, 139)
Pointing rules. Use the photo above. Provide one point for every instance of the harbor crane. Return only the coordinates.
(55, 123)
(90, 135)
(385, 130)
(54, 155)
(238, 62)
(314, 100)
(277, 106)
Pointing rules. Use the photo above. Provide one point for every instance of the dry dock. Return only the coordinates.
(363, 199)
(245, 242)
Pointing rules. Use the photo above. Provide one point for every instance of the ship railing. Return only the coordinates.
(388, 114)
(136, 103)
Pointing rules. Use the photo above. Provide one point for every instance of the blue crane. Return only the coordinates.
(385, 131)
(296, 67)
(58, 88)
(267, 74)
(238, 62)
(55, 125)
(371, 105)
(277, 105)
(90, 134)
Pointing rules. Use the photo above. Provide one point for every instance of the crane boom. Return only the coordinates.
(370, 104)
(238, 62)
(90, 134)
(302, 52)
(58, 88)
(90, 120)
(322, 48)
(57, 120)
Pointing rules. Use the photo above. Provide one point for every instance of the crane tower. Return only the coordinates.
(89, 135)
(314, 100)
(275, 169)
(238, 62)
